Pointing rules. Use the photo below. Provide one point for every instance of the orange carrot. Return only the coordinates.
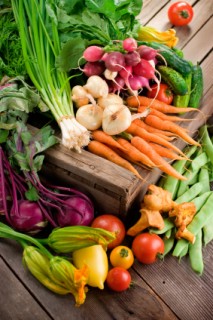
(162, 133)
(106, 152)
(166, 153)
(151, 137)
(105, 138)
(170, 126)
(134, 154)
(145, 147)
(136, 101)
(162, 115)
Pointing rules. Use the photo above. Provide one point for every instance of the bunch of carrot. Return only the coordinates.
(147, 141)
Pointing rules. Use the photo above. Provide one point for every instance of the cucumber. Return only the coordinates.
(183, 101)
(196, 87)
(173, 59)
(174, 79)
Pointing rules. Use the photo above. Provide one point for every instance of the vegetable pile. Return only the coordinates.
(121, 91)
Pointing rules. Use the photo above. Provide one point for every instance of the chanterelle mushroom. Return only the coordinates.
(158, 199)
(183, 213)
(149, 218)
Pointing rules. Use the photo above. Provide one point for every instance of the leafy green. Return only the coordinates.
(26, 147)
(11, 59)
(86, 22)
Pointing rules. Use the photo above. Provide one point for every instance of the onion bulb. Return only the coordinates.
(90, 116)
(116, 119)
(111, 98)
(97, 87)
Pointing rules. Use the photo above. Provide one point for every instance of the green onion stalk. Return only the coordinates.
(37, 23)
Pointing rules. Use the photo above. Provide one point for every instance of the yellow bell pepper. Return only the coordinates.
(168, 37)
(95, 258)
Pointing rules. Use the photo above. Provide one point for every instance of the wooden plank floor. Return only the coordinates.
(165, 290)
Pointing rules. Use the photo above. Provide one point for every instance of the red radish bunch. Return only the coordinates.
(130, 68)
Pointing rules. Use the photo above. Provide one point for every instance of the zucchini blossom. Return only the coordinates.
(167, 37)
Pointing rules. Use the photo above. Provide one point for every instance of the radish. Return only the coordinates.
(93, 53)
(115, 61)
(149, 53)
(93, 68)
(146, 52)
(130, 44)
(138, 82)
(132, 58)
(144, 69)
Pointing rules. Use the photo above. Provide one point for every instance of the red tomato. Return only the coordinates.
(164, 94)
(118, 279)
(147, 246)
(180, 13)
(111, 223)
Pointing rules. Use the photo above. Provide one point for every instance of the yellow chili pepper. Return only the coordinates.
(95, 258)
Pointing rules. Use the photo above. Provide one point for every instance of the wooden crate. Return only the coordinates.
(113, 188)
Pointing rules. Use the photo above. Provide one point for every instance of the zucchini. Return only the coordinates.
(183, 101)
(174, 80)
(196, 87)
(172, 58)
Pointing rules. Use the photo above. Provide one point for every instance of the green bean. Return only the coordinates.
(168, 233)
(195, 254)
(171, 184)
(168, 245)
(168, 224)
(206, 142)
(180, 248)
(201, 218)
(191, 193)
(208, 231)
(184, 251)
(203, 177)
(199, 161)
(192, 172)
(199, 201)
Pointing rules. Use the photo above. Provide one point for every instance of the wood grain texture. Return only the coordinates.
(16, 303)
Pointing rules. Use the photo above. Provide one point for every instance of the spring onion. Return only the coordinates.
(41, 46)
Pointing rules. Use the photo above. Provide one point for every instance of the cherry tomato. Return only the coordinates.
(147, 246)
(118, 279)
(121, 256)
(165, 94)
(111, 223)
(180, 13)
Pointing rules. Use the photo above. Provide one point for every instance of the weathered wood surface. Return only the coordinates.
(165, 290)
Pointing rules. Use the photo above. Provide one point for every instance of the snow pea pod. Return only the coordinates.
(206, 142)
(204, 178)
(191, 193)
(195, 254)
(192, 172)
(168, 224)
(201, 218)
(208, 231)
(171, 184)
